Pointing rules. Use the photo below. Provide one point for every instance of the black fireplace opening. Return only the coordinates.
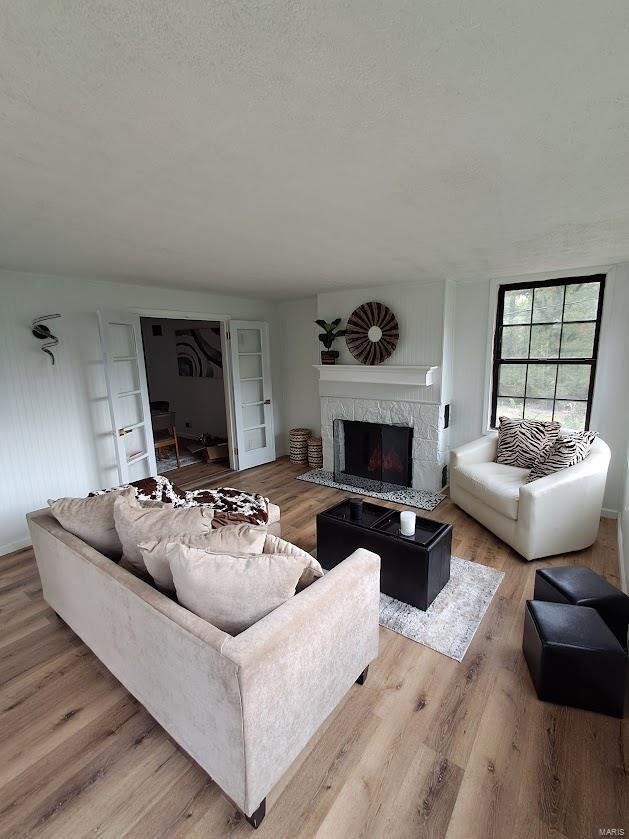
(372, 452)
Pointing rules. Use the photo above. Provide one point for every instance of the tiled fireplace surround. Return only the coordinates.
(430, 445)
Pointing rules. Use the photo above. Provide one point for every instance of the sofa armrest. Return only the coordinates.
(593, 467)
(297, 663)
(561, 512)
(482, 450)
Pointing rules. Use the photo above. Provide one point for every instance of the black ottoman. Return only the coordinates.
(581, 586)
(573, 657)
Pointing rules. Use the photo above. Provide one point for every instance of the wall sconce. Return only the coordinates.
(43, 332)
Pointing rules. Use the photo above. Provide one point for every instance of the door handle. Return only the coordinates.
(267, 401)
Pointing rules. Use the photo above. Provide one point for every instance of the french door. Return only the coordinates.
(127, 392)
(253, 406)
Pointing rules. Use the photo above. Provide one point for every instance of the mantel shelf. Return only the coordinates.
(384, 374)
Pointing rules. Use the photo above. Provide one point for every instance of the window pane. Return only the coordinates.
(573, 381)
(517, 306)
(249, 340)
(571, 415)
(548, 304)
(581, 301)
(545, 341)
(511, 379)
(250, 366)
(507, 407)
(539, 409)
(515, 341)
(541, 380)
(577, 340)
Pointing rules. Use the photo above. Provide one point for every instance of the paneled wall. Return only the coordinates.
(299, 352)
(419, 309)
(54, 421)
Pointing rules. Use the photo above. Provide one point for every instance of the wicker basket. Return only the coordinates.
(315, 453)
(299, 445)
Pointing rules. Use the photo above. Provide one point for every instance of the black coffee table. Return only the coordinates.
(413, 569)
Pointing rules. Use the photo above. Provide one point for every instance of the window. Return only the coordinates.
(545, 350)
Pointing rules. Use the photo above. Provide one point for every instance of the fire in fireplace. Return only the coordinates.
(374, 452)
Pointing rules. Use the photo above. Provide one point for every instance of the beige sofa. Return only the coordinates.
(274, 524)
(552, 515)
(243, 707)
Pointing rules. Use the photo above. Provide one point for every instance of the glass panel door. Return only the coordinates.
(253, 408)
(127, 392)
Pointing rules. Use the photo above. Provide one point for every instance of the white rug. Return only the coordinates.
(420, 498)
(452, 619)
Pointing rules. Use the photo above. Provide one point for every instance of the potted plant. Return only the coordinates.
(329, 335)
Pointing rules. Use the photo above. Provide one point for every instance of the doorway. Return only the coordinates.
(185, 371)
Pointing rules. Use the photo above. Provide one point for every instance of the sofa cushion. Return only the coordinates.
(139, 521)
(231, 538)
(92, 520)
(233, 591)
(521, 442)
(312, 571)
(273, 513)
(495, 484)
(568, 450)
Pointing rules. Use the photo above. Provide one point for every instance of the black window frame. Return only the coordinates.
(497, 346)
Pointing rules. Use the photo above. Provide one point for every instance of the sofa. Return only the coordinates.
(274, 524)
(242, 706)
(552, 515)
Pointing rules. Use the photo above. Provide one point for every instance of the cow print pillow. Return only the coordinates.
(566, 451)
(522, 442)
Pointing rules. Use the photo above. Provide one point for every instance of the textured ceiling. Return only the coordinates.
(289, 147)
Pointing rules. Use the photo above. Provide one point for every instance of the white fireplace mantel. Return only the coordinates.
(385, 374)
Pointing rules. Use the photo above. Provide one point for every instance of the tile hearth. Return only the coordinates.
(420, 498)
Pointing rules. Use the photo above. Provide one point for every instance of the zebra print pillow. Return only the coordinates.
(522, 442)
(566, 451)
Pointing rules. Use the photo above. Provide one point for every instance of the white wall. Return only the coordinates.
(200, 402)
(469, 361)
(623, 531)
(610, 406)
(299, 378)
(54, 421)
(419, 309)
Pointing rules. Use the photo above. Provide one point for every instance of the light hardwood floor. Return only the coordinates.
(428, 747)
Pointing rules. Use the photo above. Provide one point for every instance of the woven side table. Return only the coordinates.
(315, 453)
(299, 445)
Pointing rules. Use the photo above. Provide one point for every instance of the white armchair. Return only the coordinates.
(552, 515)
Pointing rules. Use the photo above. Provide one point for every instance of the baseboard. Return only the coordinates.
(621, 559)
(10, 547)
(609, 514)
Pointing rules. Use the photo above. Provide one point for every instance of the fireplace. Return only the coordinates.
(373, 454)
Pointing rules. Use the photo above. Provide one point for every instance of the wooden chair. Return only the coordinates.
(164, 432)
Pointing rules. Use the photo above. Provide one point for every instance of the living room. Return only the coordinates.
(367, 270)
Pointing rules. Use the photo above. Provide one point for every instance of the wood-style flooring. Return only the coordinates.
(428, 747)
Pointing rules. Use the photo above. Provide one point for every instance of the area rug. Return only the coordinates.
(452, 619)
(421, 498)
(169, 461)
